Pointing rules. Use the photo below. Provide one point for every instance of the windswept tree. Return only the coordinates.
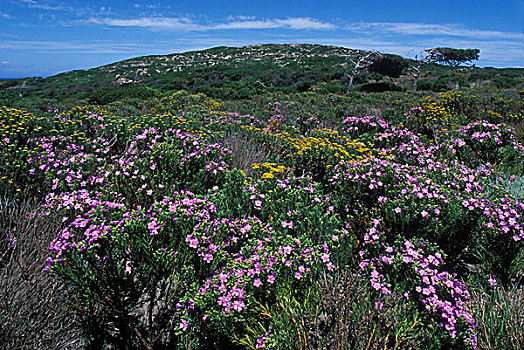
(442, 55)
(357, 67)
(454, 57)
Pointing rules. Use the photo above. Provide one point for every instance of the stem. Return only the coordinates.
(142, 340)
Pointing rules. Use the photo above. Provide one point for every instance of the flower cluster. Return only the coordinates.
(440, 292)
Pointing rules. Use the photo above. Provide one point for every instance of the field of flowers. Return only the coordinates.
(191, 227)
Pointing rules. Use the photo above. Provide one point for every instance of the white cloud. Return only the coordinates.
(433, 29)
(240, 22)
(5, 15)
(43, 5)
(241, 17)
(156, 22)
(56, 46)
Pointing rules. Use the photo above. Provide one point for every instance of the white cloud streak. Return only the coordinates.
(5, 15)
(45, 6)
(433, 29)
(156, 22)
(240, 22)
(297, 23)
(99, 47)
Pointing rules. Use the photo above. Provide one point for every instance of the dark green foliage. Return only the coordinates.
(455, 57)
(379, 87)
(7, 96)
(389, 65)
(107, 95)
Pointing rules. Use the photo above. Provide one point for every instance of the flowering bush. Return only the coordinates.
(166, 244)
(493, 144)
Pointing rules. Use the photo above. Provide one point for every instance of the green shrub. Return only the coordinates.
(379, 87)
(107, 95)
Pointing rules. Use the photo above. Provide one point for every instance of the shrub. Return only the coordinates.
(379, 87)
(107, 95)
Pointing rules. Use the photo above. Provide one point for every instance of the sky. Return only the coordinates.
(46, 37)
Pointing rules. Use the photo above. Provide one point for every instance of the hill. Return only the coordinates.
(240, 72)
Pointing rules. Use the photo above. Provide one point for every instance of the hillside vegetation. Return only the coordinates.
(237, 73)
(159, 219)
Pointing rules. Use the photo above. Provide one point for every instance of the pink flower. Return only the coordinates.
(193, 241)
(286, 224)
(398, 210)
(492, 281)
(183, 325)
(238, 305)
(128, 269)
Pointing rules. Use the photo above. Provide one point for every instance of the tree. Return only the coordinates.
(363, 62)
(454, 57)
(388, 65)
(443, 55)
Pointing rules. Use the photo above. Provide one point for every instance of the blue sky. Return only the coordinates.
(45, 37)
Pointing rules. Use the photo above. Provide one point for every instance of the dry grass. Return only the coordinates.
(245, 151)
(34, 312)
(518, 127)
(500, 317)
(347, 317)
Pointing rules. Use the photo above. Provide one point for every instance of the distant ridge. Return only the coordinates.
(236, 72)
